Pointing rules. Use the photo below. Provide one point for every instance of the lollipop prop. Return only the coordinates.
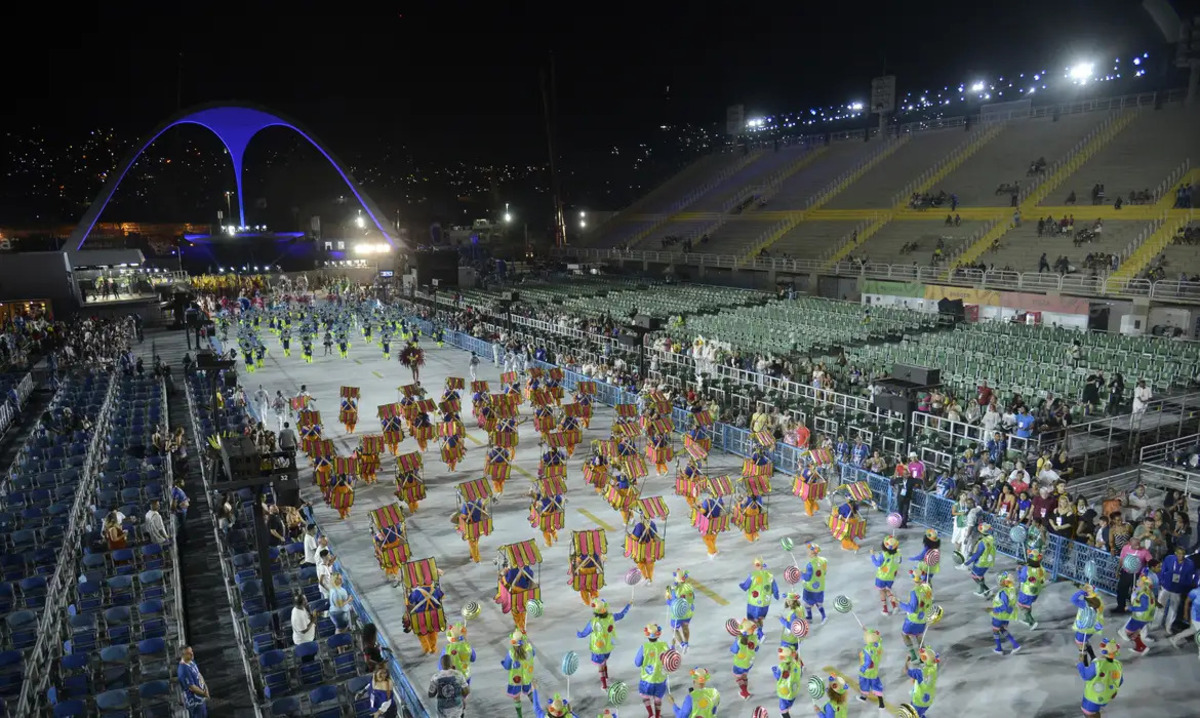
(471, 610)
(618, 693)
(791, 574)
(843, 604)
(570, 664)
(935, 617)
(895, 521)
(632, 578)
(787, 544)
(671, 661)
(816, 688)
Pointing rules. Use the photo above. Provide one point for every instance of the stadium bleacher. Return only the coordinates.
(877, 188)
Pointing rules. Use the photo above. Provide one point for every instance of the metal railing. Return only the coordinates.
(1165, 450)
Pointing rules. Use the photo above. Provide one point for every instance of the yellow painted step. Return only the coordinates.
(854, 176)
(951, 164)
(663, 219)
(806, 160)
(1154, 244)
(773, 237)
(845, 250)
(972, 254)
(1085, 153)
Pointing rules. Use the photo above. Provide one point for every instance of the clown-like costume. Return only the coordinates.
(644, 531)
(916, 608)
(931, 541)
(787, 679)
(760, 587)
(681, 590)
(601, 632)
(837, 693)
(982, 558)
(924, 677)
(1031, 578)
(792, 610)
(462, 655)
(814, 576)
(1089, 617)
(1004, 610)
(745, 650)
(1142, 609)
(870, 658)
(1102, 678)
(652, 683)
(701, 701)
(519, 664)
(556, 707)
(887, 565)
(497, 466)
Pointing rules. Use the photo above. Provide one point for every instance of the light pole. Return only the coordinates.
(228, 210)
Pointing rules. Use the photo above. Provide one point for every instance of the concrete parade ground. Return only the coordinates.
(1040, 680)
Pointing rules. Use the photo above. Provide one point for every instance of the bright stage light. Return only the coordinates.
(1082, 72)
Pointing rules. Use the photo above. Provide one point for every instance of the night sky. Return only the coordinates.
(463, 78)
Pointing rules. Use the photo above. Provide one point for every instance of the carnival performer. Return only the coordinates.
(543, 420)
(701, 701)
(471, 512)
(422, 429)
(681, 590)
(585, 401)
(545, 511)
(917, 608)
(622, 492)
(787, 679)
(568, 426)
(286, 340)
(519, 664)
(306, 349)
(497, 466)
(1032, 578)
(924, 677)
(887, 565)
(745, 650)
(453, 450)
(1143, 608)
(711, 508)
(517, 580)
(760, 587)
(752, 507)
(869, 659)
(410, 488)
(813, 577)
(1089, 617)
(426, 617)
(652, 683)
(368, 462)
(1102, 678)
(691, 472)
(982, 558)
(660, 452)
(412, 357)
(341, 494)
(791, 611)
(343, 345)
(1003, 610)
(391, 537)
(644, 531)
(595, 471)
(846, 512)
(556, 706)
(349, 413)
(811, 488)
(837, 692)
(601, 633)
(385, 343)
(931, 541)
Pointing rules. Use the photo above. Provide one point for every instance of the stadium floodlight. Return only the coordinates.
(855, 106)
(977, 87)
(1082, 72)
(360, 222)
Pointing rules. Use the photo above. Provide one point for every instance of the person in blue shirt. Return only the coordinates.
(841, 450)
(997, 448)
(1192, 609)
(1177, 576)
(860, 452)
(1025, 423)
(195, 691)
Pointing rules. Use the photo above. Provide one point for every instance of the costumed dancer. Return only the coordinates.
(543, 420)
(306, 349)
(410, 488)
(681, 590)
(745, 650)
(426, 616)
(917, 608)
(869, 659)
(452, 450)
(385, 343)
(1032, 578)
(517, 580)
(787, 679)
(837, 692)
(814, 582)
(349, 413)
(595, 471)
(584, 400)
(343, 345)
(471, 513)
(519, 664)
(556, 706)
(644, 531)
(1102, 678)
(761, 588)
(412, 357)
(811, 487)
(887, 565)
(924, 677)
(572, 434)
(701, 701)
(659, 451)
(601, 632)
(391, 537)
(691, 472)
(752, 506)
(341, 494)
(544, 513)
(982, 558)
(497, 467)
(932, 542)
(846, 513)
(1089, 617)
(622, 491)
(1003, 610)
(422, 429)
(652, 684)
(712, 508)
(286, 340)
(791, 611)
(1142, 610)
(582, 568)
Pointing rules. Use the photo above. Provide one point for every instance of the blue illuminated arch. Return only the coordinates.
(235, 126)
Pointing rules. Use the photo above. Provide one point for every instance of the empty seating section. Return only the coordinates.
(805, 325)
(734, 238)
(1138, 158)
(750, 180)
(39, 504)
(876, 189)
(623, 232)
(813, 240)
(840, 157)
(662, 301)
(668, 237)
(908, 241)
(15, 388)
(1032, 360)
(1021, 248)
(691, 179)
(117, 650)
(1007, 158)
(1180, 258)
(322, 677)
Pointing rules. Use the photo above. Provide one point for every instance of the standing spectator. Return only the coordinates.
(371, 650)
(339, 605)
(287, 438)
(1176, 576)
(275, 526)
(195, 691)
(907, 486)
(310, 545)
(983, 394)
(154, 524)
(304, 620)
(449, 687)
(1126, 578)
(1141, 397)
(325, 572)
(1116, 395)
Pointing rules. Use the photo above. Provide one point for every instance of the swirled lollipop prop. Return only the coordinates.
(895, 521)
(534, 607)
(935, 617)
(843, 604)
(787, 544)
(671, 661)
(618, 693)
(816, 688)
(1017, 535)
(791, 574)
(632, 578)
(1089, 573)
(471, 610)
(570, 664)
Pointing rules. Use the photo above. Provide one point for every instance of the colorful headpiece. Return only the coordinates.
(700, 675)
(931, 534)
(919, 575)
(891, 543)
(681, 575)
(1109, 648)
(652, 631)
(599, 605)
(517, 638)
(456, 632)
(1005, 579)
(985, 529)
(837, 684)
(760, 562)
(814, 549)
(928, 655)
(786, 654)
(791, 600)
(558, 707)
(870, 635)
(1035, 555)
(747, 627)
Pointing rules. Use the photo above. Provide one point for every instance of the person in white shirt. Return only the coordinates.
(304, 621)
(1141, 397)
(473, 365)
(310, 545)
(155, 525)
(990, 472)
(1139, 503)
(325, 572)
(262, 401)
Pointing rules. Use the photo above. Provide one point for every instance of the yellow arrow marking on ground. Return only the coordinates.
(716, 597)
(830, 670)
(377, 374)
(359, 361)
(596, 520)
